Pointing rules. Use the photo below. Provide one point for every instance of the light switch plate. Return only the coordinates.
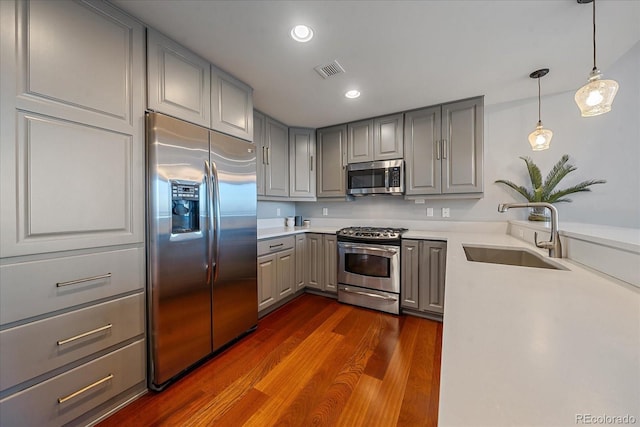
(429, 211)
(277, 211)
(325, 211)
(445, 213)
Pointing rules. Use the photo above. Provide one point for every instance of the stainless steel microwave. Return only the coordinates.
(381, 177)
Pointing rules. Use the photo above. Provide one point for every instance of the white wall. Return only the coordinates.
(603, 147)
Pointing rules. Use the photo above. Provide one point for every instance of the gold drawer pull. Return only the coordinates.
(86, 279)
(87, 388)
(86, 334)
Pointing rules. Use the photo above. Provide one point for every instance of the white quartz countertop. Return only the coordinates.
(529, 346)
(268, 233)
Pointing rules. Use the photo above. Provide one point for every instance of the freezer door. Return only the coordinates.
(235, 290)
(179, 290)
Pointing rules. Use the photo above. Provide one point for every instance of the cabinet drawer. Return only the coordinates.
(80, 389)
(33, 288)
(275, 245)
(39, 347)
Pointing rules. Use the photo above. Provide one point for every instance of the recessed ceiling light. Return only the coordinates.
(301, 33)
(352, 94)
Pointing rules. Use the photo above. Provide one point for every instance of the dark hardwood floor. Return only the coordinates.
(312, 362)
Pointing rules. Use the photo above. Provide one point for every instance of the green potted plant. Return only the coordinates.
(545, 191)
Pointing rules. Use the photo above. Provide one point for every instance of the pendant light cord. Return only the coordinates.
(539, 121)
(594, 35)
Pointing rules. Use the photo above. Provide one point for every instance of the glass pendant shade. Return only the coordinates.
(596, 96)
(540, 138)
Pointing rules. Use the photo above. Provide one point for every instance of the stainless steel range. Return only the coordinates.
(369, 267)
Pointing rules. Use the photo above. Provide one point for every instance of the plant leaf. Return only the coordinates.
(519, 188)
(534, 173)
(558, 196)
(557, 174)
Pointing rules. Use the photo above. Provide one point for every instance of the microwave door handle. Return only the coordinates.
(216, 218)
(209, 188)
(386, 178)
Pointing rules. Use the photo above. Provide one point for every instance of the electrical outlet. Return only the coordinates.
(277, 211)
(446, 213)
(419, 201)
(325, 211)
(429, 211)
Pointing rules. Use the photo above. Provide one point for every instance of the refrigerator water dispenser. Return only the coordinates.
(185, 210)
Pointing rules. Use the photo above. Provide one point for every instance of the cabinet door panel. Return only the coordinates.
(409, 274)
(179, 82)
(387, 137)
(267, 280)
(315, 261)
(360, 141)
(277, 155)
(462, 124)
(231, 105)
(332, 160)
(301, 261)
(259, 140)
(92, 78)
(74, 186)
(423, 154)
(286, 273)
(302, 157)
(432, 276)
(330, 263)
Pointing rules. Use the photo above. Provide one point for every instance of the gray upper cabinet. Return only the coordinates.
(444, 149)
(388, 137)
(332, 160)
(231, 105)
(276, 158)
(259, 125)
(179, 82)
(360, 141)
(302, 163)
(462, 146)
(377, 139)
(422, 132)
(71, 127)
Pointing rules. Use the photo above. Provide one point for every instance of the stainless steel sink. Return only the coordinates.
(509, 256)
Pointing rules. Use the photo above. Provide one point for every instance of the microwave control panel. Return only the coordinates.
(394, 177)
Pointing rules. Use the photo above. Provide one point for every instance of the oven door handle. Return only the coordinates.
(368, 294)
(368, 248)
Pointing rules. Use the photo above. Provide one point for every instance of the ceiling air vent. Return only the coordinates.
(329, 70)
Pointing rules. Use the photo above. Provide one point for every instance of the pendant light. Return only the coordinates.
(595, 97)
(541, 137)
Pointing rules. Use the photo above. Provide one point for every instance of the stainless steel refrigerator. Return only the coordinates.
(201, 269)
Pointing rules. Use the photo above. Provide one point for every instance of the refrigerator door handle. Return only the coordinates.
(209, 186)
(216, 218)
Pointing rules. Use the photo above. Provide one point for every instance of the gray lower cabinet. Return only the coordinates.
(276, 270)
(322, 262)
(443, 148)
(302, 164)
(72, 332)
(332, 161)
(423, 268)
(301, 259)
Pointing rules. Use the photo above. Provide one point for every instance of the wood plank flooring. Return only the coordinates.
(312, 362)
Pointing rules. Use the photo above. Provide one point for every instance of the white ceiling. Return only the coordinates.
(399, 54)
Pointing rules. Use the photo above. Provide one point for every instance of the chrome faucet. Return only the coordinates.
(554, 246)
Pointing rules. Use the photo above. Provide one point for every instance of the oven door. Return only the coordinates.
(369, 265)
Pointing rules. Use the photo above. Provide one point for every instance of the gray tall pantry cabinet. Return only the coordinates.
(72, 227)
(332, 161)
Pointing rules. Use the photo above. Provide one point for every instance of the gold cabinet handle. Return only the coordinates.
(86, 334)
(86, 279)
(84, 389)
